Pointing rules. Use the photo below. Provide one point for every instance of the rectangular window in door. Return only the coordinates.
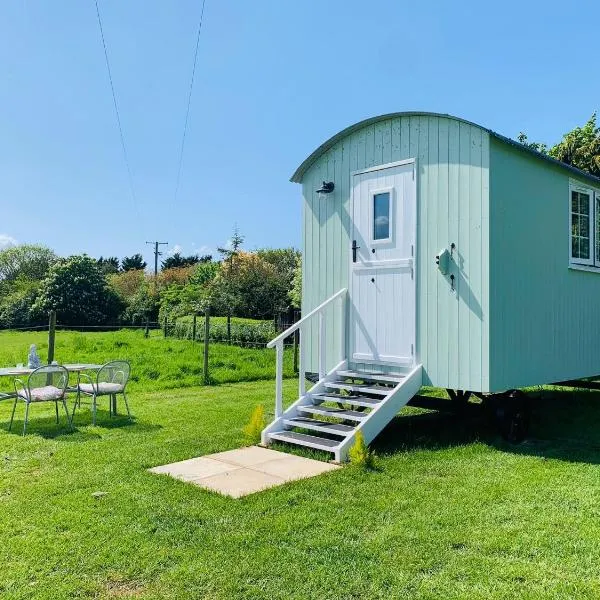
(381, 216)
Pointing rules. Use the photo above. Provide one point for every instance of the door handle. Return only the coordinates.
(354, 249)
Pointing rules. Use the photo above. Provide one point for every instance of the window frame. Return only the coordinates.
(392, 203)
(594, 198)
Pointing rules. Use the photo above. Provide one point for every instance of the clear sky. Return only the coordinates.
(274, 79)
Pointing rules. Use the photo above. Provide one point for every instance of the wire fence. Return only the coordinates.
(221, 330)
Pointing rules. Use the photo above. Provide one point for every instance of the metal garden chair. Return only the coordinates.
(110, 380)
(45, 384)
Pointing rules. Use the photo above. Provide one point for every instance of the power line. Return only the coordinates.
(187, 112)
(114, 97)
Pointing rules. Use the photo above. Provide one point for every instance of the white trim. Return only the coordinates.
(391, 191)
(588, 268)
(399, 263)
(398, 163)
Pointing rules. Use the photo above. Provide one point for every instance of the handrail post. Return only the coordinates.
(322, 346)
(343, 327)
(301, 376)
(279, 381)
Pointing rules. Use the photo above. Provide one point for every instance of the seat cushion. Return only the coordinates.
(42, 394)
(101, 388)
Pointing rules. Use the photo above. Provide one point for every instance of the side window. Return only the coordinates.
(581, 228)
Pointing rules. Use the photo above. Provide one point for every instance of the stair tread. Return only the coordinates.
(316, 424)
(303, 439)
(354, 400)
(340, 413)
(340, 385)
(371, 376)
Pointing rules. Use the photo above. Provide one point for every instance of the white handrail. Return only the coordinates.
(311, 314)
(278, 344)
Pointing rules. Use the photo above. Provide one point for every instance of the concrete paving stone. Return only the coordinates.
(291, 467)
(248, 457)
(195, 468)
(240, 482)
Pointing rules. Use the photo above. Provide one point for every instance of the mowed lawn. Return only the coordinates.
(451, 511)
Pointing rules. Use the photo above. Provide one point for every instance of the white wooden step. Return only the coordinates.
(316, 425)
(338, 413)
(384, 378)
(301, 439)
(365, 389)
(351, 400)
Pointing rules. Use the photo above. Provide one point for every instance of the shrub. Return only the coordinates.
(254, 427)
(360, 455)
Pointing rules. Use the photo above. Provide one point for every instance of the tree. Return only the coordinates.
(28, 261)
(580, 148)
(228, 254)
(177, 261)
(541, 148)
(251, 288)
(133, 263)
(295, 293)
(76, 288)
(109, 265)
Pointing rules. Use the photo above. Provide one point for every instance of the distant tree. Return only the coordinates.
(28, 261)
(133, 263)
(109, 265)
(177, 261)
(580, 148)
(228, 254)
(295, 293)
(252, 288)
(541, 148)
(205, 258)
(76, 288)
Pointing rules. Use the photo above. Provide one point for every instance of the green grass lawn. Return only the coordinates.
(450, 512)
(157, 363)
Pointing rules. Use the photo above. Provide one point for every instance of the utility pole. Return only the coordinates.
(156, 255)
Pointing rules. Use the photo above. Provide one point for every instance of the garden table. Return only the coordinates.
(16, 371)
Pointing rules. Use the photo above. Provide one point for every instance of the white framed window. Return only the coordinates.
(381, 216)
(584, 226)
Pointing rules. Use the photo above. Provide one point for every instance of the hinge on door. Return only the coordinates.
(412, 249)
(413, 172)
(412, 350)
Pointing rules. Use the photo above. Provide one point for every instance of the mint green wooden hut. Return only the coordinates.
(455, 257)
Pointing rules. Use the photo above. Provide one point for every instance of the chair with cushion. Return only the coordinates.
(110, 380)
(45, 384)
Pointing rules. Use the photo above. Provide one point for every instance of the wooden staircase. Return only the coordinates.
(343, 402)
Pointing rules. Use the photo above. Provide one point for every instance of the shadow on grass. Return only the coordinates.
(47, 428)
(565, 425)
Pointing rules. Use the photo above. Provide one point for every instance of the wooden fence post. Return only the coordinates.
(229, 329)
(51, 335)
(206, 336)
(194, 328)
(165, 326)
(147, 330)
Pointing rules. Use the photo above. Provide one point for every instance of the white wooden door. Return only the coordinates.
(382, 265)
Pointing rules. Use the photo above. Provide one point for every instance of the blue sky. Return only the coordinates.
(274, 79)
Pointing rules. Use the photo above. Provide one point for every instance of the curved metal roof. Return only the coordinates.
(308, 162)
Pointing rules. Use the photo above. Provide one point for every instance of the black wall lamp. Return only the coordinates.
(326, 188)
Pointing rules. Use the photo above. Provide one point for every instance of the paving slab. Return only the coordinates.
(195, 468)
(243, 471)
(249, 456)
(293, 467)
